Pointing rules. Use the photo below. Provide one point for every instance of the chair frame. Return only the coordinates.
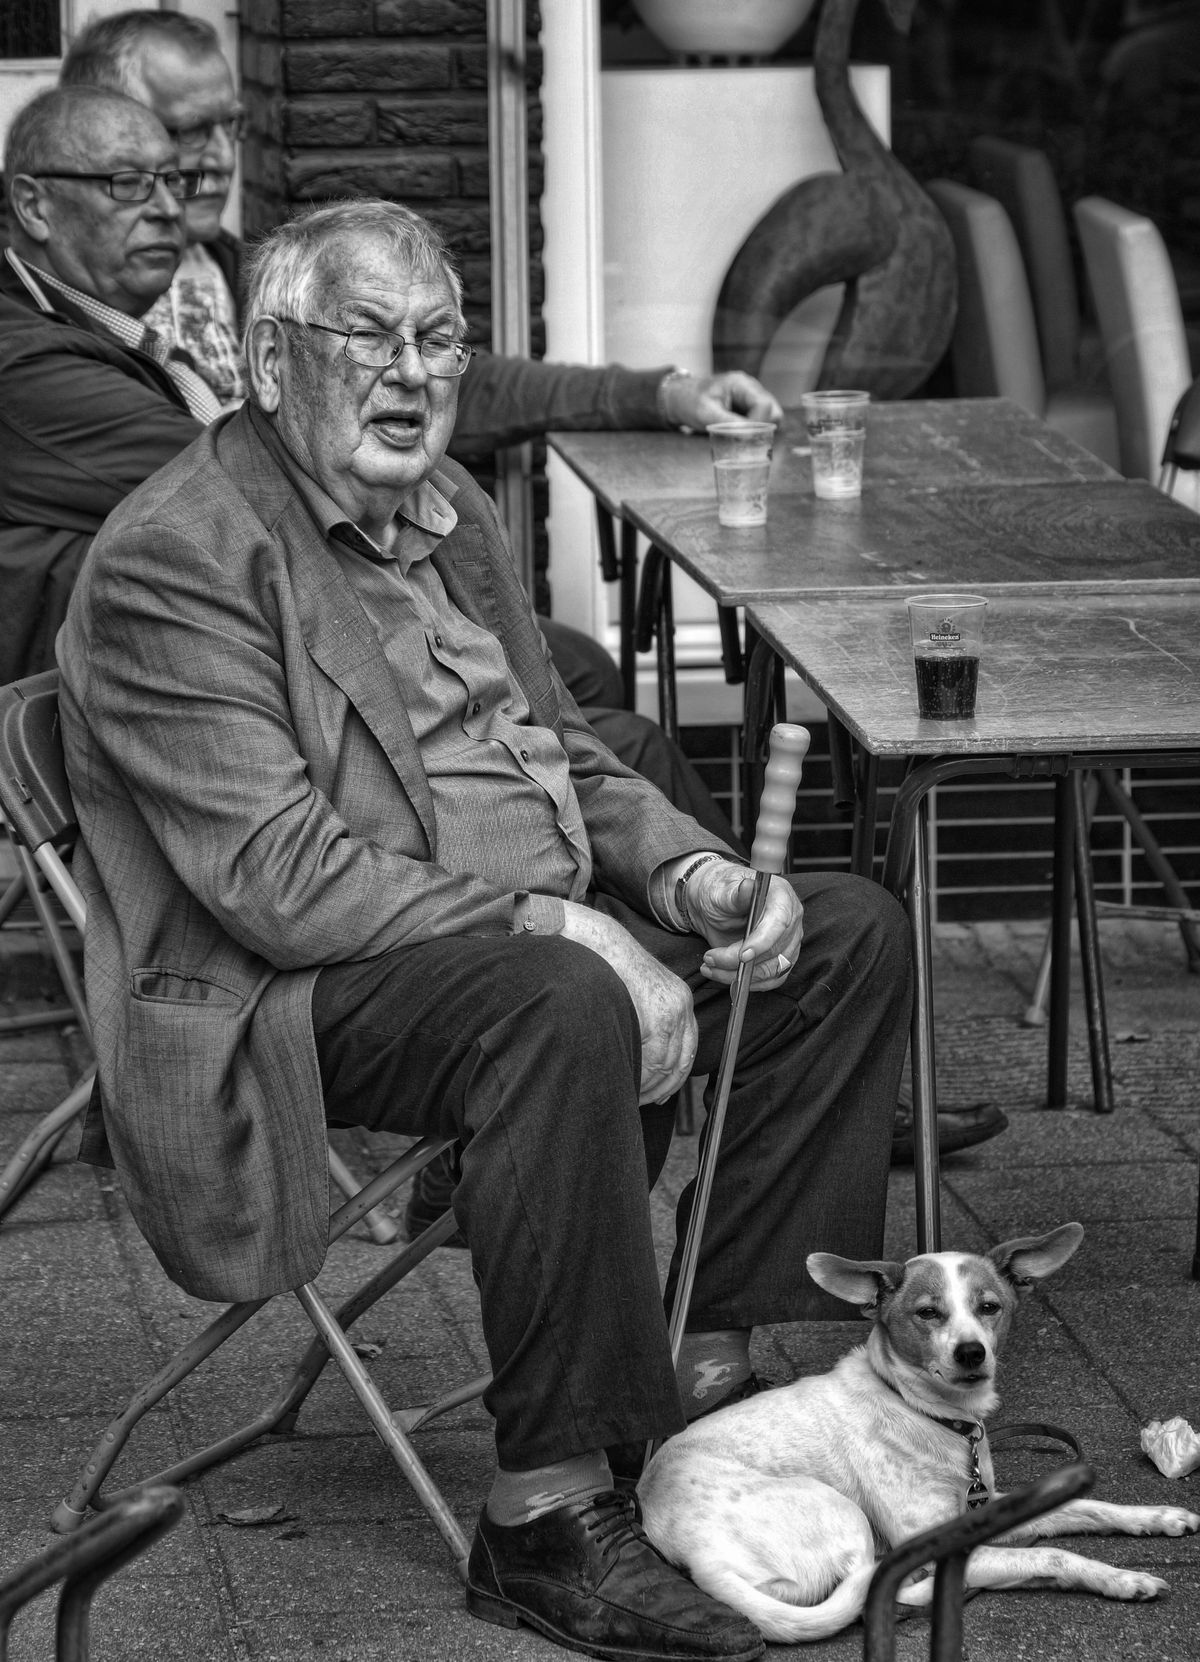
(82, 1564)
(948, 1545)
(36, 801)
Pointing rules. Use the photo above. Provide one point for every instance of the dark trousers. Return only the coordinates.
(527, 1049)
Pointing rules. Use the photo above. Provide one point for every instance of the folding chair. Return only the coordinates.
(37, 804)
(82, 1564)
(34, 797)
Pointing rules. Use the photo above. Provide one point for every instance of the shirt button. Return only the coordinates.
(529, 924)
(524, 755)
(437, 640)
(475, 709)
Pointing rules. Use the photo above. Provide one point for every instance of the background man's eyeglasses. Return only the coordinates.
(378, 348)
(134, 185)
(199, 134)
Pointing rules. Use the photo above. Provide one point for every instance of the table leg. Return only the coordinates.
(924, 1082)
(668, 704)
(628, 609)
(1060, 932)
(1089, 950)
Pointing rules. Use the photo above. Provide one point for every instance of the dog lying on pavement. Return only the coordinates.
(777, 1504)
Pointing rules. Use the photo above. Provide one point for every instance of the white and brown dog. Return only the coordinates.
(778, 1504)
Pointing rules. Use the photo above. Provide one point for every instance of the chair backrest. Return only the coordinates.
(34, 794)
(1141, 323)
(995, 348)
(1022, 181)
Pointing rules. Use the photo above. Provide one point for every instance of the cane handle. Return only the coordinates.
(777, 806)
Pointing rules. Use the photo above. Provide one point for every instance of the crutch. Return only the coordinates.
(776, 808)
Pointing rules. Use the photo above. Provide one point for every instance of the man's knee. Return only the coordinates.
(863, 921)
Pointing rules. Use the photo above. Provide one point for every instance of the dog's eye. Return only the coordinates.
(989, 1307)
(929, 1313)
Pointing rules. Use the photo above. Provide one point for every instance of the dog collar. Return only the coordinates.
(977, 1490)
(972, 1431)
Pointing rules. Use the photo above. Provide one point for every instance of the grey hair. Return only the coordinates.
(285, 266)
(50, 119)
(104, 54)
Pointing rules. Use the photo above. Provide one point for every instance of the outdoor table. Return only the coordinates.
(1069, 681)
(1012, 536)
(934, 443)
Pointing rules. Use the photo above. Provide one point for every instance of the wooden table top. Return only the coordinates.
(954, 441)
(1104, 531)
(1059, 673)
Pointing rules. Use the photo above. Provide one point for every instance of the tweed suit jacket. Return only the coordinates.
(253, 806)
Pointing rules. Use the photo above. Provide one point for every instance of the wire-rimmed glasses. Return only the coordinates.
(379, 348)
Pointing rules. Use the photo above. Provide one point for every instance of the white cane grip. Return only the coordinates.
(777, 805)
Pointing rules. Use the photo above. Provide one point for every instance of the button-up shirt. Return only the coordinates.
(505, 806)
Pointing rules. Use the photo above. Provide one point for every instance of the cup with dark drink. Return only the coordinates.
(947, 632)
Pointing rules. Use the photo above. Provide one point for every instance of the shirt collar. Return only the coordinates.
(128, 330)
(425, 516)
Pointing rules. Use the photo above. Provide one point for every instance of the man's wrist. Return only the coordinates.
(681, 885)
(663, 400)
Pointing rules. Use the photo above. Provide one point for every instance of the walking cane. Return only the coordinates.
(788, 747)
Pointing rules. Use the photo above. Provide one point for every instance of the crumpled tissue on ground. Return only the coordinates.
(1173, 1446)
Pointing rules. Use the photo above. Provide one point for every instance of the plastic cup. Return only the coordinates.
(741, 453)
(837, 433)
(947, 635)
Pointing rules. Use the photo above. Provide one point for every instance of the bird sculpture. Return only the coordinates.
(870, 227)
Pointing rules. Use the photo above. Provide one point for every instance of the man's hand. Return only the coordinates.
(697, 400)
(663, 1002)
(718, 902)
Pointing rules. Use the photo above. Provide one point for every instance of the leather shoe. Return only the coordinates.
(957, 1128)
(586, 1576)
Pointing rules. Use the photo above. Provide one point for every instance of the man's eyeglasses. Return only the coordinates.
(199, 134)
(378, 348)
(134, 185)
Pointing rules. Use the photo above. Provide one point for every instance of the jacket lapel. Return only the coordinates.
(337, 634)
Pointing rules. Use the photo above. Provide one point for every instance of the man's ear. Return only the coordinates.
(28, 200)
(264, 347)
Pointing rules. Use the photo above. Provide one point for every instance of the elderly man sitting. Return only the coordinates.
(350, 852)
(91, 404)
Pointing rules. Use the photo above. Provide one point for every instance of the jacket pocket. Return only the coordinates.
(155, 985)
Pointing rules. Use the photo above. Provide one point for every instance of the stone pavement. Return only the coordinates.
(311, 1546)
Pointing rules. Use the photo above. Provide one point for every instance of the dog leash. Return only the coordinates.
(1034, 1428)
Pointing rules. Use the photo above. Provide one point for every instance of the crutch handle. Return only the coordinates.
(788, 746)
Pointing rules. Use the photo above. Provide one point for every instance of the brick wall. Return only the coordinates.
(386, 98)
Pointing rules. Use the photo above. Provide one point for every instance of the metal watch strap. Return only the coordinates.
(681, 883)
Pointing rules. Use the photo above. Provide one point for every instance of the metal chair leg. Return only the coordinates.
(280, 1414)
(39, 1146)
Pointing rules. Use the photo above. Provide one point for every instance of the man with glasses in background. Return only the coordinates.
(173, 63)
(93, 401)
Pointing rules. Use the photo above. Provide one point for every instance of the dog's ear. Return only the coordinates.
(858, 1282)
(1032, 1257)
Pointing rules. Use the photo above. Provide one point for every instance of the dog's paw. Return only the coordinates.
(917, 1590)
(1131, 1584)
(1177, 1520)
